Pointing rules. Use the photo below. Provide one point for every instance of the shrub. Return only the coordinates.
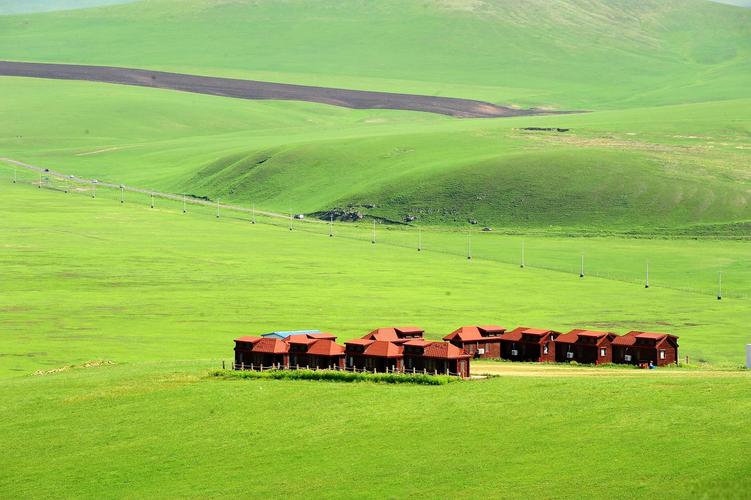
(337, 376)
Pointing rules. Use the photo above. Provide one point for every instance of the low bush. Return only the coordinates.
(337, 376)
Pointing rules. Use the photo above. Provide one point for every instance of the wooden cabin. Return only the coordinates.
(315, 351)
(529, 344)
(256, 352)
(478, 341)
(636, 348)
(585, 347)
(435, 357)
(374, 355)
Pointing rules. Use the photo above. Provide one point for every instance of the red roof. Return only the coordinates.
(300, 339)
(359, 342)
(516, 334)
(418, 342)
(629, 338)
(328, 336)
(271, 346)
(444, 350)
(474, 333)
(249, 339)
(394, 333)
(573, 336)
(326, 347)
(384, 349)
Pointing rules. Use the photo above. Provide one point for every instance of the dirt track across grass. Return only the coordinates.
(250, 89)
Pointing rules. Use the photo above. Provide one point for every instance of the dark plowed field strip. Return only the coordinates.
(250, 89)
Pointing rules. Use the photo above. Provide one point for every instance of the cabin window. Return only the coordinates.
(662, 354)
(603, 352)
(545, 349)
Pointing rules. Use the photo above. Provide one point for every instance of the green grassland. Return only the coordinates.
(673, 166)
(656, 172)
(161, 294)
(90, 278)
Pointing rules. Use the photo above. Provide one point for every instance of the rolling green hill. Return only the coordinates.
(667, 143)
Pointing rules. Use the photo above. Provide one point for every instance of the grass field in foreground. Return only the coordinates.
(166, 429)
(90, 279)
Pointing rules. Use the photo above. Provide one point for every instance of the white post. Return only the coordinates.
(748, 356)
(15, 175)
(217, 208)
(522, 264)
(122, 194)
(152, 200)
(253, 211)
(419, 239)
(373, 240)
(469, 245)
(290, 219)
(184, 204)
(93, 192)
(581, 272)
(331, 226)
(646, 284)
(719, 289)
(40, 179)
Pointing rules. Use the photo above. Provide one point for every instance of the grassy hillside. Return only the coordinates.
(129, 283)
(643, 168)
(563, 53)
(165, 430)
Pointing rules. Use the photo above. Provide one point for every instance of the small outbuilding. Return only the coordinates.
(316, 350)
(529, 344)
(478, 341)
(254, 352)
(636, 348)
(585, 346)
(435, 357)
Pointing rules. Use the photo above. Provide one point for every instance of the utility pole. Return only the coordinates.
(581, 272)
(522, 264)
(719, 289)
(646, 283)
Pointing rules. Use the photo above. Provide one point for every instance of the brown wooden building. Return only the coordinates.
(478, 341)
(257, 351)
(637, 348)
(378, 355)
(435, 357)
(529, 344)
(585, 346)
(315, 351)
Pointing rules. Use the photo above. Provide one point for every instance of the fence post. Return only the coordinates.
(251, 366)
(223, 365)
(242, 365)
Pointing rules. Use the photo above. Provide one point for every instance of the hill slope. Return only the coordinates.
(634, 162)
(572, 53)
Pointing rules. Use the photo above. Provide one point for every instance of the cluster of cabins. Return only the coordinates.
(404, 349)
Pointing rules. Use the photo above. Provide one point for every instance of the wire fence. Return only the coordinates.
(471, 245)
(337, 368)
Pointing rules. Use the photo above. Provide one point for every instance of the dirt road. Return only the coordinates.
(250, 89)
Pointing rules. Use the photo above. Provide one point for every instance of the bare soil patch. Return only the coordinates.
(251, 89)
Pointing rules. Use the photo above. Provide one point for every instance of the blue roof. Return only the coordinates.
(284, 335)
